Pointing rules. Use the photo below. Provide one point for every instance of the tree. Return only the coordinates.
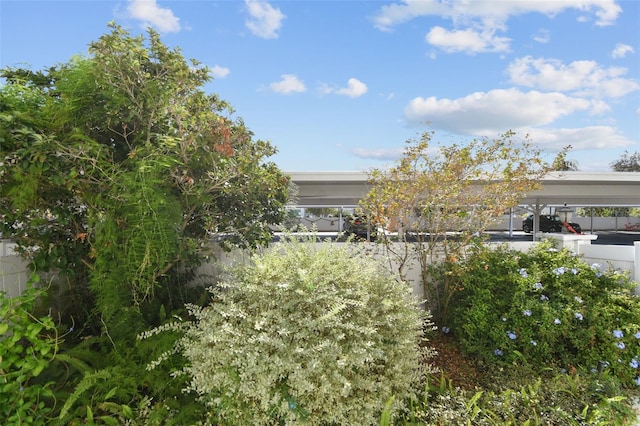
(561, 164)
(627, 163)
(461, 188)
(118, 169)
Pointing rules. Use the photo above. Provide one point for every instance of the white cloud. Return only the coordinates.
(469, 40)
(584, 138)
(378, 154)
(355, 88)
(542, 36)
(485, 113)
(153, 15)
(288, 84)
(621, 50)
(583, 78)
(397, 13)
(475, 23)
(219, 72)
(264, 20)
(461, 11)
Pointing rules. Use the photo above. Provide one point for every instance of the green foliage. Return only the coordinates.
(103, 378)
(27, 346)
(522, 397)
(561, 164)
(117, 168)
(308, 333)
(607, 211)
(461, 188)
(547, 308)
(628, 162)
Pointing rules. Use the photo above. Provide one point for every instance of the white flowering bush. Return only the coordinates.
(307, 333)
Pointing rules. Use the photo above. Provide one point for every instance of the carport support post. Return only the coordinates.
(510, 222)
(536, 220)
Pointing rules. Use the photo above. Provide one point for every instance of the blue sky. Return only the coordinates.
(341, 85)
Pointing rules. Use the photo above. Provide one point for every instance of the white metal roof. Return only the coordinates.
(580, 189)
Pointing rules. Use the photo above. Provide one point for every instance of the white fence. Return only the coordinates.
(588, 224)
(14, 271)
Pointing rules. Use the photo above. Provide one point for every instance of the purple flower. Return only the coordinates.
(512, 335)
(543, 298)
(574, 271)
(634, 363)
(637, 380)
(579, 316)
(523, 272)
(620, 345)
(595, 266)
(446, 329)
(534, 343)
(559, 271)
(538, 286)
(637, 335)
(578, 299)
(526, 313)
(618, 334)
(497, 352)
(557, 321)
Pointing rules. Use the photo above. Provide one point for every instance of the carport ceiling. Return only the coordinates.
(579, 189)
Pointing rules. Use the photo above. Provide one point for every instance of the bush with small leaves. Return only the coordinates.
(547, 308)
(307, 333)
(27, 345)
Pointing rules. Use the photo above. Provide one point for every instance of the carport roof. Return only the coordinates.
(579, 189)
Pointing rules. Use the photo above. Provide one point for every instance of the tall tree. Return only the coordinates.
(627, 163)
(118, 168)
(562, 164)
(433, 191)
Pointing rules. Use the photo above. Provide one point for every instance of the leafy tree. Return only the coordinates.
(561, 164)
(118, 172)
(627, 163)
(117, 168)
(461, 188)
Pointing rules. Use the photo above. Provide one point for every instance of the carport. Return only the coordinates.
(560, 189)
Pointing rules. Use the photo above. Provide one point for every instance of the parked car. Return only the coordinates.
(549, 223)
(360, 226)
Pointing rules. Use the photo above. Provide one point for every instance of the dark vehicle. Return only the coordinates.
(359, 226)
(549, 223)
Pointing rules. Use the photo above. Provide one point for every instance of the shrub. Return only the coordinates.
(27, 345)
(307, 333)
(547, 308)
(515, 398)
